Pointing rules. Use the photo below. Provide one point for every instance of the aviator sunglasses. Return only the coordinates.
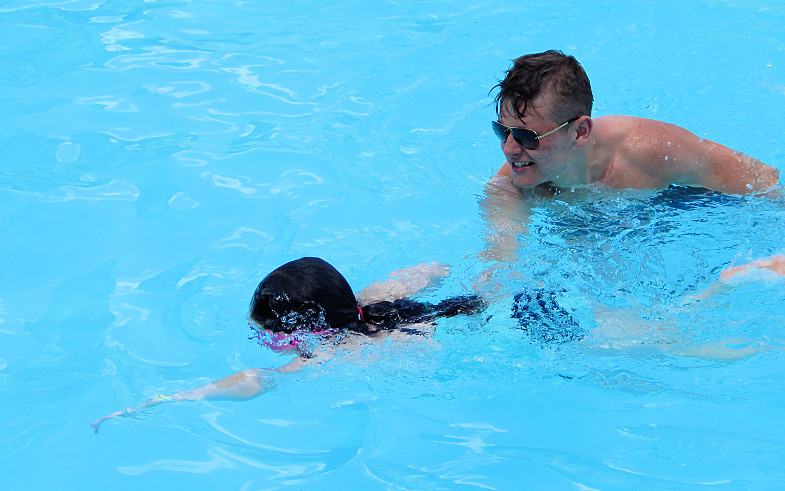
(528, 139)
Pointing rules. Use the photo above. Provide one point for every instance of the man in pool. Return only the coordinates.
(550, 141)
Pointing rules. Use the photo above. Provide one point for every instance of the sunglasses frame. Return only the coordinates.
(518, 133)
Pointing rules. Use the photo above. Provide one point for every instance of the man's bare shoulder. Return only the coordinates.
(626, 128)
(626, 140)
(638, 150)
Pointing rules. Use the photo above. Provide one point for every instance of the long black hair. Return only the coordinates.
(304, 294)
(310, 294)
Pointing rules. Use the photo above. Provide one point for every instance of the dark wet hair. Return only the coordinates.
(543, 319)
(307, 293)
(310, 294)
(388, 315)
(531, 74)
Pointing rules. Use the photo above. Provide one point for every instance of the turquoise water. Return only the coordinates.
(158, 158)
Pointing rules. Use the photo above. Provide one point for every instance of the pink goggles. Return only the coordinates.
(281, 341)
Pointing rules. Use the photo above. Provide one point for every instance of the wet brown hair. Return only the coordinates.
(552, 70)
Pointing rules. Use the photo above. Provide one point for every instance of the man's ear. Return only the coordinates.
(582, 128)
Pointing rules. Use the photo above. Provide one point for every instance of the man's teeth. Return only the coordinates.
(521, 164)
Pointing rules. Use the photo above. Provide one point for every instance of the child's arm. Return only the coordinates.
(403, 283)
(240, 386)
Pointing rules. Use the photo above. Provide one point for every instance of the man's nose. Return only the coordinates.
(511, 146)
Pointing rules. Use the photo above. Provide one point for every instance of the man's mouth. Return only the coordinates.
(519, 165)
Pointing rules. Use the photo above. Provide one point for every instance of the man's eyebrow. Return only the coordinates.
(512, 116)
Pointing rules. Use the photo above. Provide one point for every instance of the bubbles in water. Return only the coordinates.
(68, 152)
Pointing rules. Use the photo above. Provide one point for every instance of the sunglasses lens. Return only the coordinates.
(524, 136)
(500, 130)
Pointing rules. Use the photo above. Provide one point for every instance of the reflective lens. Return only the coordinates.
(524, 136)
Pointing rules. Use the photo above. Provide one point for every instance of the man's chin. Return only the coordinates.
(525, 182)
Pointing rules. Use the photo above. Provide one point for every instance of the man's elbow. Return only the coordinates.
(748, 176)
(773, 176)
(761, 176)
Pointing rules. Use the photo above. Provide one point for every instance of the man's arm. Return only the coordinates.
(678, 156)
(505, 214)
(722, 169)
(776, 264)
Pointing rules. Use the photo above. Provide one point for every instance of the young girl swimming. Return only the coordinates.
(306, 307)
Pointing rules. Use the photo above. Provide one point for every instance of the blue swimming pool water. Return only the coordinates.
(158, 158)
